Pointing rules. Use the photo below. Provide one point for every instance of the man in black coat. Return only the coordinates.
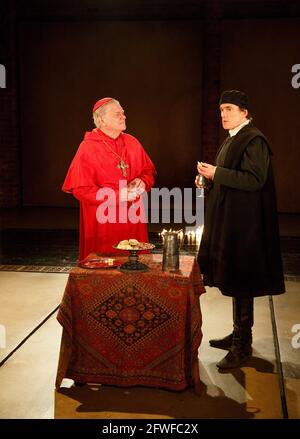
(240, 247)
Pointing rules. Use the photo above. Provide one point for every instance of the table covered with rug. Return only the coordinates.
(130, 329)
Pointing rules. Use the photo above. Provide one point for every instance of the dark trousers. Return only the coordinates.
(242, 321)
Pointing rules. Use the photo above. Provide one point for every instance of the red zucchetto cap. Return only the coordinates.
(101, 102)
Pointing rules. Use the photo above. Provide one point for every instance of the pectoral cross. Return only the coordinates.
(122, 165)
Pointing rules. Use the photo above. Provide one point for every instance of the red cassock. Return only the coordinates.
(94, 168)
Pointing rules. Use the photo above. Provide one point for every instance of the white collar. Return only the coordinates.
(237, 129)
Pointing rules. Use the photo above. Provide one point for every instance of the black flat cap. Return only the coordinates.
(235, 97)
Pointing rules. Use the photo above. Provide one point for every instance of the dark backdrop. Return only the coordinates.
(160, 70)
(153, 68)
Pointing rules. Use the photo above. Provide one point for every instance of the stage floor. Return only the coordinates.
(39, 247)
(28, 307)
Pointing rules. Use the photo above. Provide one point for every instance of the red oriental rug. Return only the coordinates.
(129, 329)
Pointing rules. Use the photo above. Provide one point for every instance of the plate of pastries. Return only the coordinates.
(133, 244)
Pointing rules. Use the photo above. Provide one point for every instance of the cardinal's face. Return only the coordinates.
(114, 118)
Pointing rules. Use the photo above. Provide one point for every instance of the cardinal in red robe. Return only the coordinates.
(108, 175)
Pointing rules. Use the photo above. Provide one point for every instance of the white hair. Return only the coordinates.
(100, 112)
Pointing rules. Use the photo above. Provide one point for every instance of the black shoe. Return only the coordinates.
(222, 343)
(79, 384)
(235, 358)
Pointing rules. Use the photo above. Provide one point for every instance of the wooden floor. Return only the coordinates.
(29, 347)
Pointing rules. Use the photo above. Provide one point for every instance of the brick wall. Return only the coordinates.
(9, 143)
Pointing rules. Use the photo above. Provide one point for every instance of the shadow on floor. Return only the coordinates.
(257, 363)
(101, 401)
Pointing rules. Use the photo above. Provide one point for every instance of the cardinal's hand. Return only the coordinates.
(137, 185)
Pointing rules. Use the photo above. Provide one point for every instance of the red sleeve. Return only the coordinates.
(86, 194)
(148, 179)
(89, 195)
(81, 172)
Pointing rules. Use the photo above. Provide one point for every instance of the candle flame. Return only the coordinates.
(192, 237)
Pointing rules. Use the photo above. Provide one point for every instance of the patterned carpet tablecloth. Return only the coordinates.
(130, 329)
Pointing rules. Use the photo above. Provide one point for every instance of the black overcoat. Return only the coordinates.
(240, 247)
